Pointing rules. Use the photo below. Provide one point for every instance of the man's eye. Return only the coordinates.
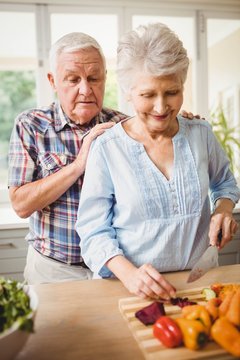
(73, 80)
(93, 79)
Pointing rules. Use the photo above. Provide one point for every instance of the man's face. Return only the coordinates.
(80, 83)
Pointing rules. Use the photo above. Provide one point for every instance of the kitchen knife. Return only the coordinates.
(207, 261)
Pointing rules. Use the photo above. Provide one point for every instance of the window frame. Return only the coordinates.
(124, 11)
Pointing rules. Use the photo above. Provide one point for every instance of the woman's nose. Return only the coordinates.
(160, 106)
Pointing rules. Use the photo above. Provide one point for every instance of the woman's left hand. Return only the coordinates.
(222, 219)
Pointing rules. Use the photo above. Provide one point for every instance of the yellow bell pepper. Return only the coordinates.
(226, 335)
(194, 333)
(198, 312)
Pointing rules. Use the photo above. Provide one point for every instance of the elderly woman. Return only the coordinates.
(144, 206)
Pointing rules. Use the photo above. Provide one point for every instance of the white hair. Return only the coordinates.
(153, 49)
(72, 42)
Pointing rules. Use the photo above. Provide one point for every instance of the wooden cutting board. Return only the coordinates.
(152, 347)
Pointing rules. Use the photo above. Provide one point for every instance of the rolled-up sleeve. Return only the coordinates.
(94, 222)
(22, 153)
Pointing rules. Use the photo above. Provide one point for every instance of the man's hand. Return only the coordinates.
(189, 115)
(87, 141)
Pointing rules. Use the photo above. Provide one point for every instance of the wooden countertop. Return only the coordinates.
(81, 320)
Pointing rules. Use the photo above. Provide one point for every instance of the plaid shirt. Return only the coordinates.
(43, 141)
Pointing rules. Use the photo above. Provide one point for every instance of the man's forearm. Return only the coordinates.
(37, 195)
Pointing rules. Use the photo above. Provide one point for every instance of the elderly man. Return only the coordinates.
(47, 157)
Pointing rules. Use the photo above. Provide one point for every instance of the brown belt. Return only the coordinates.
(80, 263)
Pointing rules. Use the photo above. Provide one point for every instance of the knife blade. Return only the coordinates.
(207, 261)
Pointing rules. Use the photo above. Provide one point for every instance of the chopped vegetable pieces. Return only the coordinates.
(209, 294)
(181, 302)
(149, 314)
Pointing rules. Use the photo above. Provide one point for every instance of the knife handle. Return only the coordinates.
(219, 239)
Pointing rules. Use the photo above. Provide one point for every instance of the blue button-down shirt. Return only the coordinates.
(43, 141)
(128, 207)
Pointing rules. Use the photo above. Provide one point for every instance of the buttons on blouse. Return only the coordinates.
(174, 197)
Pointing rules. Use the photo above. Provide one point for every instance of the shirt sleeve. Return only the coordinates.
(22, 153)
(222, 181)
(94, 221)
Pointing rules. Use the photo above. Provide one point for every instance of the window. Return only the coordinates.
(211, 36)
(223, 39)
(98, 26)
(18, 63)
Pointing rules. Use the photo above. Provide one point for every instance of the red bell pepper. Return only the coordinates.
(168, 332)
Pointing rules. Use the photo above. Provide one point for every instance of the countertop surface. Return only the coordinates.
(81, 319)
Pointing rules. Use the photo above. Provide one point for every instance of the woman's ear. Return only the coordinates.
(51, 80)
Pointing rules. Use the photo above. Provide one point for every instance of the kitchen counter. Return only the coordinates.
(81, 320)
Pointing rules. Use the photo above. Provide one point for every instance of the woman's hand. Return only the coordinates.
(222, 219)
(145, 281)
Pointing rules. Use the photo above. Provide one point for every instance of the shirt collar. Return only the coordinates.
(63, 120)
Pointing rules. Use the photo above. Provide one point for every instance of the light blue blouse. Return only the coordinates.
(127, 206)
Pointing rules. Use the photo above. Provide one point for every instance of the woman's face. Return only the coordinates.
(157, 100)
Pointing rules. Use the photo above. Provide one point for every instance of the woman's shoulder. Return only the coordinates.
(109, 135)
(195, 123)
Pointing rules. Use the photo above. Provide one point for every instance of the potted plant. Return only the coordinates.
(227, 137)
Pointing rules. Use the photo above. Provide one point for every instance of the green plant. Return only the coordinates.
(227, 136)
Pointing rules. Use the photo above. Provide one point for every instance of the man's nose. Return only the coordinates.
(84, 88)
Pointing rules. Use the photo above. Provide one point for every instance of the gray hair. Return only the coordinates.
(154, 49)
(72, 42)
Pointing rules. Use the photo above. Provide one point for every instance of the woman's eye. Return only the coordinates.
(172, 93)
(146, 95)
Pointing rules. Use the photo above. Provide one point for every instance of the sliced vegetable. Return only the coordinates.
(194, 333)
(181, 302)
(168, 332)
(149, 314)
(226, 335)
(209, 294)
(198, 312)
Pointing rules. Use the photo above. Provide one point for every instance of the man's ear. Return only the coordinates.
(51, 80)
